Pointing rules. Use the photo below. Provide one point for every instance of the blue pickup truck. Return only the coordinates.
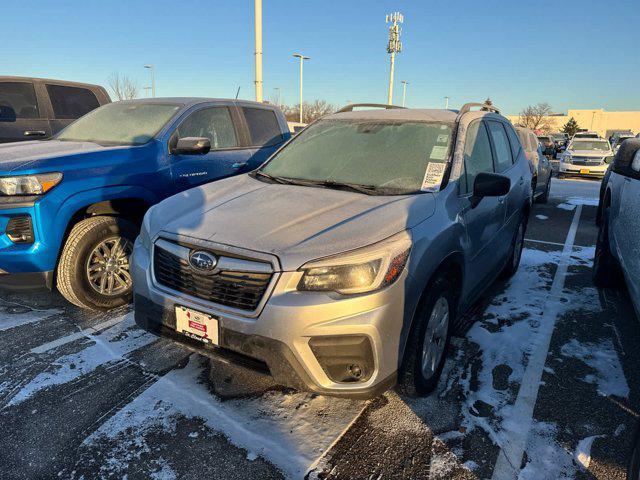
(71, 206)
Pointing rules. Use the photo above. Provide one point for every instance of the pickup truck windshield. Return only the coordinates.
(387, 157)
(590, 145)
(120, 124)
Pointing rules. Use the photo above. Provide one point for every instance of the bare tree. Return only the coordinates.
(310, 111)
(536, 117)
(123, 87)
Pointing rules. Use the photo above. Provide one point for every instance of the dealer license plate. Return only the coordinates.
(585, 170)
(197, 325)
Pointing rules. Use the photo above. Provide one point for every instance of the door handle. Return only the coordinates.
(34, 133)
(239, 164)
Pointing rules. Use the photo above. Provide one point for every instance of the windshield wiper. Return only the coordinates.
(354, 187)
(283, 181)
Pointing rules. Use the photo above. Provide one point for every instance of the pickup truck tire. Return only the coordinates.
(85, 239)
(428, 341)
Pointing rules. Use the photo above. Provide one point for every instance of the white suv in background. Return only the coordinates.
(586, 157)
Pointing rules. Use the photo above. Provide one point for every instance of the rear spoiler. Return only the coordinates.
(350, 107)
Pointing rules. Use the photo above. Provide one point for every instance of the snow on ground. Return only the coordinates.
(291, 430)
(587, 189)
(506, 336)
(542, 217)
(583, 451)
(603, 359)
(14, 315)
(111, 345)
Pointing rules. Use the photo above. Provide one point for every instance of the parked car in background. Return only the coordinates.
(619, 235)
(296, 127)
(71, 207)
(548, 145)
(37, 108)
(588, 157)
(585, 135)
(612, 135)
(561, 141)
(540, 164)
(618, 139)
(343, 264)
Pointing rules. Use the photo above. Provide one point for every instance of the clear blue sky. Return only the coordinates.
(572, 54)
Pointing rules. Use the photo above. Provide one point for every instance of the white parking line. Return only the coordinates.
(75, 336)
(509, 459)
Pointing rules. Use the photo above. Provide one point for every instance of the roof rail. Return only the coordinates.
(466, 108)
(350, 107)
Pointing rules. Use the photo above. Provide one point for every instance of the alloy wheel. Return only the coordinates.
(108, 267)
(435, 338)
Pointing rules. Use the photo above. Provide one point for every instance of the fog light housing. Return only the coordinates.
(344, 358)
(20, 229)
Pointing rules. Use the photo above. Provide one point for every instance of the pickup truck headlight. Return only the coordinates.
(29, 184)
(364, 270)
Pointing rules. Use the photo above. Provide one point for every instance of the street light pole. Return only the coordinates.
(278, 102)
(446, 103)
(153, 79)
(258, 47)
(302, 59)
(394, 46)
(404, 91)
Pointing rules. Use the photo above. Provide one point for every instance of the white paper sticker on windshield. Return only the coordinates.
(438, 152)
(443, 138)
(433, 176)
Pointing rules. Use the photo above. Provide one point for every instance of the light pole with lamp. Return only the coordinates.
(302, 59)
(153, 79)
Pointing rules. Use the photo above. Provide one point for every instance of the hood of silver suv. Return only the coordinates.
(297, 224)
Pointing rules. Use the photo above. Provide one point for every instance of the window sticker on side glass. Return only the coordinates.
(442, 138)
(438, 152)
(433, 176)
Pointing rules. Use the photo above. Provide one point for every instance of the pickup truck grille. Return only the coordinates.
(587, 161)
(241, 290)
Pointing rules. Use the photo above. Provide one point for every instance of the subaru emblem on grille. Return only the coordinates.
(203, 262)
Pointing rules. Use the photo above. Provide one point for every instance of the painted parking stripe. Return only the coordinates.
(515, 440)
(76, 336)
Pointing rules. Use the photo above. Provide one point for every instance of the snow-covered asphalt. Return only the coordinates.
(541, 384)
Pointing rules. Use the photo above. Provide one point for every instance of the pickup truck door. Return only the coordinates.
(226, 157)
(22, 116)
(483, 220)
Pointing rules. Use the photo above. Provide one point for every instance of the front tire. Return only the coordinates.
(428, 342)
(606, 270)
(93, 271)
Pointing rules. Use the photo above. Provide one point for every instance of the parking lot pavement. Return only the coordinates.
(541, 384)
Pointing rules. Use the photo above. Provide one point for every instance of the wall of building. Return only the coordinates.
(595, 120)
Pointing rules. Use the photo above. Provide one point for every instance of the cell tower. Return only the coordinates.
(394, 46)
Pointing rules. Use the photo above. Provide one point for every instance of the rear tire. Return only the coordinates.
(544, 198)
(93, 271)
(517, 246)
(428, 341)
(606, 270)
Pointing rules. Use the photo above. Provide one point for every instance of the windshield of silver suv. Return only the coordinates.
(602, 146)
(120, 124)
(378, 158)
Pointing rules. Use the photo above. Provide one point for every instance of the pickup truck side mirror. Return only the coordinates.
(192, 146)
(490, 185)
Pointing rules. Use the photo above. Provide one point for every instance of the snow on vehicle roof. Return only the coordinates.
(398, 114)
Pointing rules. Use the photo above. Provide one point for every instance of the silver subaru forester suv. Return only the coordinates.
(343, 264)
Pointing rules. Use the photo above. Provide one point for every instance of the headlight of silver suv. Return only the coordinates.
(29, 184)
(363, 270)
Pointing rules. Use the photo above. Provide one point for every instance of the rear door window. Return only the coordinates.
(71, 102)
(504, 158)
(514, 141)
(477, 155)
(213, 123)
(263, 125)
(17, 100)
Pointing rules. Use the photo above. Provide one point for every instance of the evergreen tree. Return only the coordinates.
(571, 127)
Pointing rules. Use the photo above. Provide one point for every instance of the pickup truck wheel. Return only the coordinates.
(513, 262)
(93, 271)
(428, 342)
(606, 270)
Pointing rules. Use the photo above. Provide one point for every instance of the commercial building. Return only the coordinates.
(597, 120)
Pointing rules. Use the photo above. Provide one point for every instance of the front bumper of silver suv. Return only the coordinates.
(342, 345)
